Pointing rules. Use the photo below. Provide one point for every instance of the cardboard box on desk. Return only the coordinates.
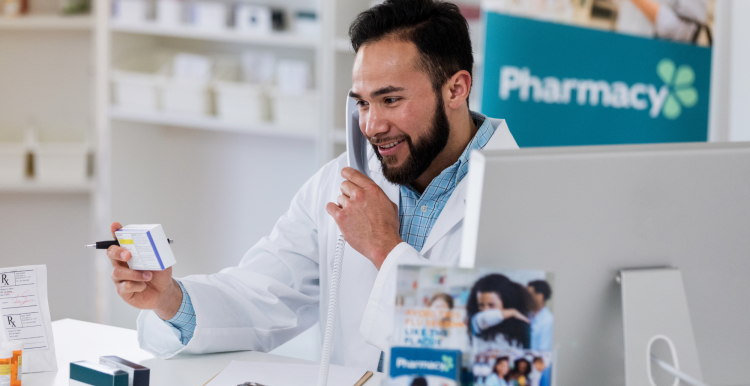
(148, 247)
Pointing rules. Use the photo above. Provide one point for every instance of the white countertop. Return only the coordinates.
(76, 340)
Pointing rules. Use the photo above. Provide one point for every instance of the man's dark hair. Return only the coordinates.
(437, 28)
(541, 287)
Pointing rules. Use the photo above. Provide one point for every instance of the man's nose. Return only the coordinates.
(374, 123)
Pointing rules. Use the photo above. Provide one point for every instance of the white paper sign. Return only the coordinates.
(25, 315)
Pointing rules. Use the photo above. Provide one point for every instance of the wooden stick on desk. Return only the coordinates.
(364, 379)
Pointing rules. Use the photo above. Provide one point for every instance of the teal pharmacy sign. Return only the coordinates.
(559, 85)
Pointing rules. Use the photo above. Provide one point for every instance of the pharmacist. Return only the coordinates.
(411, 79)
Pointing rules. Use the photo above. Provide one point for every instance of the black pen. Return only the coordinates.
(109, 243)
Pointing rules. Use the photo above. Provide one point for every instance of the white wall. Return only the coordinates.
(730, 79)
(215, 193)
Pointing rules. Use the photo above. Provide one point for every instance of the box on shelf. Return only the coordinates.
(208, 15)
(137, 81)
(12, 162)
(130, 11)
(61, 162)
(255, 19)
(169, 13)
(298, 113)
(187, 84)
(306, 24)
(239, 102)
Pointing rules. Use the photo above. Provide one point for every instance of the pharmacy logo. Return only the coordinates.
(681, 90)
(669, 99)
(447, 363)
(444, 366)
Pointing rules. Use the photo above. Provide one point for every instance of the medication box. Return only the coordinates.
(137, 375)
(147, 245)
(424, 366)
(93, 374)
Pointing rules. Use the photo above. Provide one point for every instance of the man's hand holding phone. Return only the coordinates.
(368, 219)
(146, 290)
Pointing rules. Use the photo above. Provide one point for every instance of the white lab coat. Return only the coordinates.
(281, 286)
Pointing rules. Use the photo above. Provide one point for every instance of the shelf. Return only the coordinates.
(47, 22)
(46, 187)
(282, 39)
(343, 45)
(204, 123)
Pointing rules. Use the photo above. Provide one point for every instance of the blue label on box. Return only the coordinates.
(434, 366)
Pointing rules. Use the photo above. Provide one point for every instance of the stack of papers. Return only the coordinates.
(284, 374)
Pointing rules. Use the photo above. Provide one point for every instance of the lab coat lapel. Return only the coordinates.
(455, 207)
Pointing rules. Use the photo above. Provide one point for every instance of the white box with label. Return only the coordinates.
(148, 246)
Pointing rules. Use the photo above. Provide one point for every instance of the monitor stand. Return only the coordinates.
(660, 346)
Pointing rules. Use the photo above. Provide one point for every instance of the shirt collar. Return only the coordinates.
(461, 167)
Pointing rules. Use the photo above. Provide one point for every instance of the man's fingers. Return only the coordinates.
(121, 273)
(341, 200)
(349, 188)
(356, 177)
(129, 287)
(115, 227)
(332, 209)
(118, 253)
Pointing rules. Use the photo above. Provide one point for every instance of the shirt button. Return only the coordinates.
(424, 208)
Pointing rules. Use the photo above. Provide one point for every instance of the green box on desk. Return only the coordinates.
(93, 374)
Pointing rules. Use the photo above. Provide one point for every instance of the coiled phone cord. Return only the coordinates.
(333, 307)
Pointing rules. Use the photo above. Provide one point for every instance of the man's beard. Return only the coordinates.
(422, 153)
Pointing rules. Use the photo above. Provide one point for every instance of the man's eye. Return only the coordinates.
(361, 103)
(391, 100)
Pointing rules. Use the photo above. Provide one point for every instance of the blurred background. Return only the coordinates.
(207, 116)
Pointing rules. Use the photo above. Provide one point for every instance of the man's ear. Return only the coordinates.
(456, 89)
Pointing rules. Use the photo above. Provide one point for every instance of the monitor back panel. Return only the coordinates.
(584, 213)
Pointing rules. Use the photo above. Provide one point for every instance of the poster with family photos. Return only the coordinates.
(501, 320)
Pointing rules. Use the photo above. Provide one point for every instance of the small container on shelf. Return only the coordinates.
(169, 13)
(306, 24)
(12, 162)
(61, 162)
(134, 12)
(208, 15)
(253, 19)
(237, 101)
(295, 106)
(137, 82)
(187, 84)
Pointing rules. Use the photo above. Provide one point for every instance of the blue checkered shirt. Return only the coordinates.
(417, 215)
(183, 323)
(418, 212)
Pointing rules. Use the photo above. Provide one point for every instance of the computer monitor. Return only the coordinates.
(584, 213)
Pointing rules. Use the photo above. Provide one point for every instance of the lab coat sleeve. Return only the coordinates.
(269, 298)
(377, 323)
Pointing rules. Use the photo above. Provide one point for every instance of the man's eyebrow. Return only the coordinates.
(354, 95)
(385, 90)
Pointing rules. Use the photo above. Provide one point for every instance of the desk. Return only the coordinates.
(76, 340)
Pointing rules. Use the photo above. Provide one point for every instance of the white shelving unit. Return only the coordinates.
(47, 22)
(47, 187)
(278, 39)
(206, 123)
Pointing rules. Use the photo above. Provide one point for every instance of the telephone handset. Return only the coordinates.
(356, 148)
(356, 143)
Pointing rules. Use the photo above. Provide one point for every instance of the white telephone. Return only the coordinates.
(356, 147)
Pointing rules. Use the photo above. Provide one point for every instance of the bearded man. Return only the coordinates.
(411, 79)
